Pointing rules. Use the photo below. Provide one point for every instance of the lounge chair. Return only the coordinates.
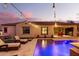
(23, 41)
(9, 39)
(8, 46)
(29, 38)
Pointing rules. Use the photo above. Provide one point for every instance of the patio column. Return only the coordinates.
(75, 31)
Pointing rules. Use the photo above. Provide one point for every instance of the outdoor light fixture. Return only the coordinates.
(55, 24)
(34, 25)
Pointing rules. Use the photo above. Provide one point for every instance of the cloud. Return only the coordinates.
(11, 15)
(27, 14)
(8, 15)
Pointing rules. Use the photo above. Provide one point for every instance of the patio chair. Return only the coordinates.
(8, 46)
(23, 41)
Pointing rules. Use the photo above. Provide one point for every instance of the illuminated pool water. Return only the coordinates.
(52, 48)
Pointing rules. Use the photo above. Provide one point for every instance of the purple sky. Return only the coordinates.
(64, 11)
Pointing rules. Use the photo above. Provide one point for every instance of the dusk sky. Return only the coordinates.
(64, 11)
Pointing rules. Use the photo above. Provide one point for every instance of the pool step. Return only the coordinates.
(74, 52)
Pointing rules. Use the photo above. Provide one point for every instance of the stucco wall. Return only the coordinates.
(10, 30)
(19, 30)
(34, 31)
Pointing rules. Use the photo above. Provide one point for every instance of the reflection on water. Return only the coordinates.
(44, 43)
(52, 48)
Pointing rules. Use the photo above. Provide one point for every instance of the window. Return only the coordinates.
(44, 30)
(58, 31)
(5, 29)
(26, 30)
(69, 31)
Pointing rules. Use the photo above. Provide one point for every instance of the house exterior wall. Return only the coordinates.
(34, 31)
(19, 30)
(10, 30)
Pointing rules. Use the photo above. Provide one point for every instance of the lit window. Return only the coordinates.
(58, 31)
(44, 30)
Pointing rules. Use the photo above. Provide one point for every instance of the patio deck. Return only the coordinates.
(25, 50)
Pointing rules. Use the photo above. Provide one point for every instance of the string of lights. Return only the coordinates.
(5, 8)
(54, 9)
(18, 11)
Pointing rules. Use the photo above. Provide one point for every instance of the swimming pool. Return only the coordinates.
(52, 48)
